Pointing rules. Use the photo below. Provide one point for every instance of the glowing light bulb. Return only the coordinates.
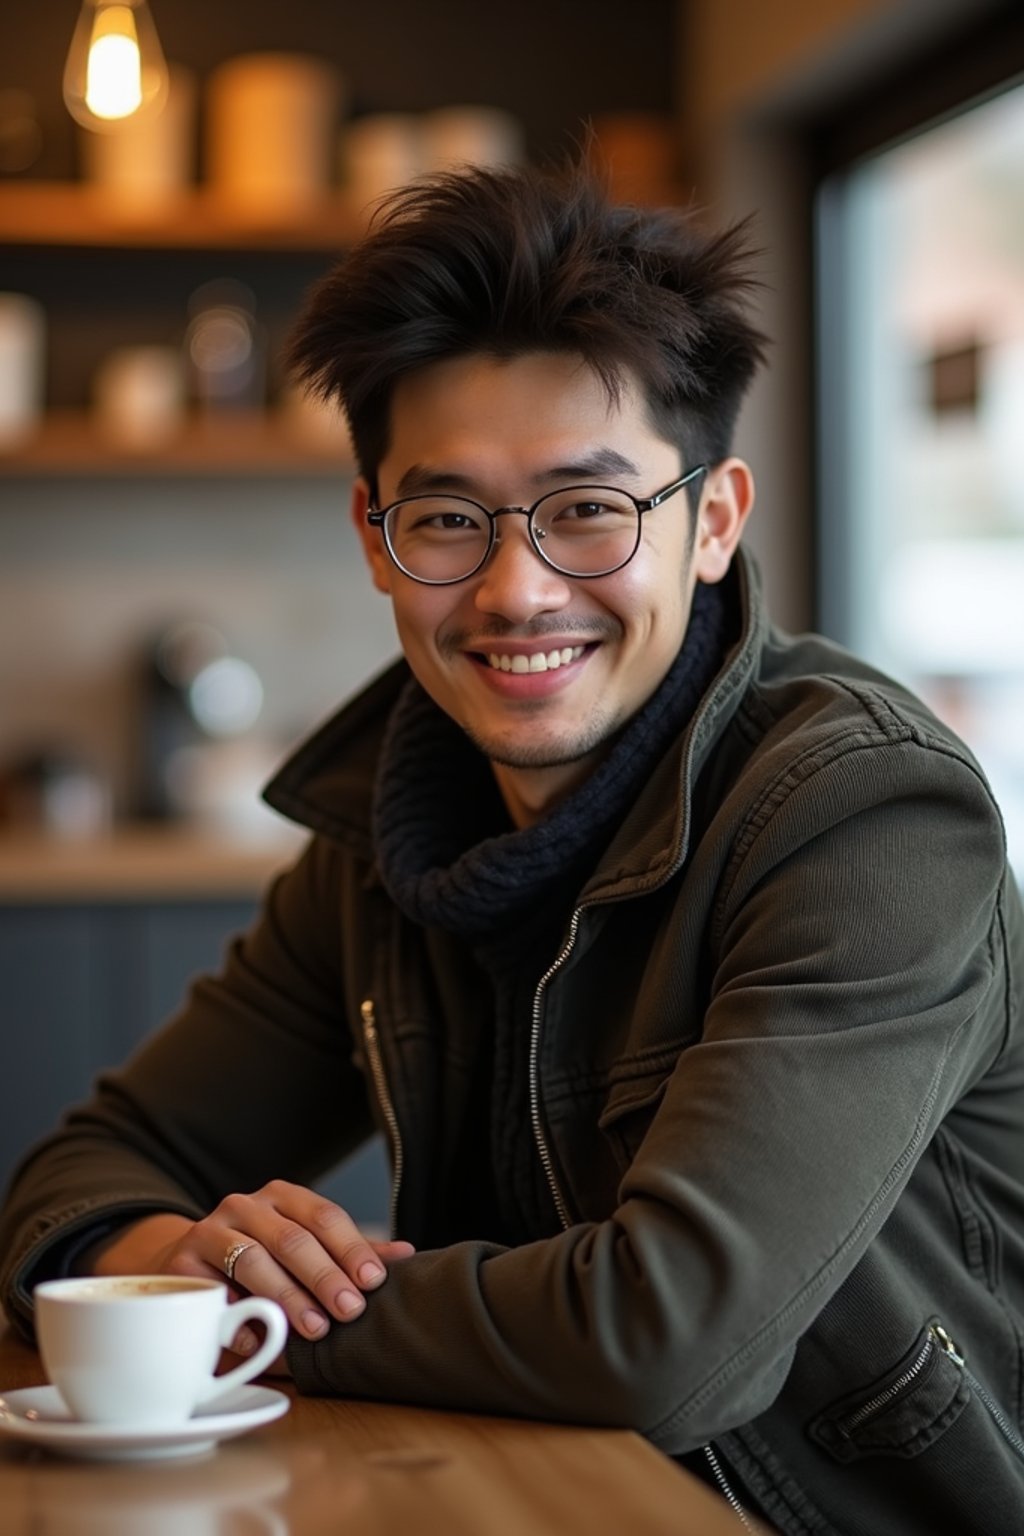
(115, 66)
(113, 75)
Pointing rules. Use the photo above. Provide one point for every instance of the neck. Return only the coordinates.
(530, 793)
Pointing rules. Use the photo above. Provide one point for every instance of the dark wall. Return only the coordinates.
(552, 62)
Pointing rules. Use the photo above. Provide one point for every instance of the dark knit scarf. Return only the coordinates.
(445, 847)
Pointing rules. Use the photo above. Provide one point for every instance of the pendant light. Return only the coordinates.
(115, 66)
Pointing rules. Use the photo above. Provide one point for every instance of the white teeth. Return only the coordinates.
(537, 662)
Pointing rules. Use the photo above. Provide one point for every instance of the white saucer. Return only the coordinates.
(38, 1416)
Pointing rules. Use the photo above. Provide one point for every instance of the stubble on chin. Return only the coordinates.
(591, 740)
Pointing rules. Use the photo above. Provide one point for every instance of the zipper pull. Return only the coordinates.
(945, 1343)
(368, 1018)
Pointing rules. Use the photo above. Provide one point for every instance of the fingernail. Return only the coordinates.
(349, 1303)
(370, 1274)
(245, 1342)
(314, 1324)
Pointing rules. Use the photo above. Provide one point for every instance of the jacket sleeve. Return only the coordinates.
(252, 1080)
(859, 987)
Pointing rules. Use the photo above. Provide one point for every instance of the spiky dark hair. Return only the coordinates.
(509, 261)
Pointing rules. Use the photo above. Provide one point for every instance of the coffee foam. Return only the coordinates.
(117, 1290)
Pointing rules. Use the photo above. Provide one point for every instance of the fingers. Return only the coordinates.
(290, 1267)
(296, 1247)
(393, 1249)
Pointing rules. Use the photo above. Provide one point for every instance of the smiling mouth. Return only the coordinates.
(536, 661)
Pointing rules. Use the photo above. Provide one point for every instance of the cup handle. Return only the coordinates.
(262, 1310)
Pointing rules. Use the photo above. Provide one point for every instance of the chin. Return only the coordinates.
(561, 752)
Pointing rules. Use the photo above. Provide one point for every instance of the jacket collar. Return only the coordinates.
(653, 841)
(327, 783)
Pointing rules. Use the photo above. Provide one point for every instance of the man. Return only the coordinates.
(677, 958)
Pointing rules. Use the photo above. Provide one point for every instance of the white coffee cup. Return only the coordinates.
(142, 1349)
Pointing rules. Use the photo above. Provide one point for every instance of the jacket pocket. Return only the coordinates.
(628, 1111)
(903, 1412)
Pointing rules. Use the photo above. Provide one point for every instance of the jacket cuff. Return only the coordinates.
(309, 1379)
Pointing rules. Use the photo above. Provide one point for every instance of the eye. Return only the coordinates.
(446, 520)
(443, 520)
(585, 509)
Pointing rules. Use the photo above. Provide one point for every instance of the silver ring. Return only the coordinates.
(233, 1255)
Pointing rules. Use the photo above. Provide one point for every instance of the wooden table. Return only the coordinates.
(333, 1467)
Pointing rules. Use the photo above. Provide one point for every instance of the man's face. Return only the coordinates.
(503, 433)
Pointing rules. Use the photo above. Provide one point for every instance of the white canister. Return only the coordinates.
(138, 394)
(380, 152)
(270, 122)
(146, 163)
(455, 136)
(22, 366)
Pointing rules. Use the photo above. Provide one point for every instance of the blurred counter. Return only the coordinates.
(140, 863)
(100, 939)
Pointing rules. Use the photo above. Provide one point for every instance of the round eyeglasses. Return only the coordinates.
(581, 530)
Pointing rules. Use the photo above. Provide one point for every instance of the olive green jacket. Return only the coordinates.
(777, 1080)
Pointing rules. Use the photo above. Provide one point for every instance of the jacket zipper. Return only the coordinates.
(1002, 1423)
(547, 1162)
(727, 1493)
(852, 1421)
(380, 1082)
(535, 1115)
(937, 1338)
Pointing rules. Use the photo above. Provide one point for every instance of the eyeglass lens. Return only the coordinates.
(584, 531)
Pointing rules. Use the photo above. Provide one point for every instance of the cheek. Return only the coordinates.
(419, 615)
(651, 600)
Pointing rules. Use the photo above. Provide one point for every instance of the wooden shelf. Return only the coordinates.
(55, 213)
(133, 863)
(73, 442)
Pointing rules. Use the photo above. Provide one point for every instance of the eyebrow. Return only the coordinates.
(422, 479)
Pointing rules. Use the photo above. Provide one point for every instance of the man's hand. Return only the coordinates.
(302, 1251)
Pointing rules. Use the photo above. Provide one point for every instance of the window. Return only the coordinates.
(920, 257)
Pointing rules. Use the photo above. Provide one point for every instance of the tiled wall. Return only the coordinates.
(90, 569)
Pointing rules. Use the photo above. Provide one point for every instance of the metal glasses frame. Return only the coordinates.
(377, 518)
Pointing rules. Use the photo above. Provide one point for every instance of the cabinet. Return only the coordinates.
(83, 983)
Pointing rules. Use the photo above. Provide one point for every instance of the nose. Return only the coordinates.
(516, 583)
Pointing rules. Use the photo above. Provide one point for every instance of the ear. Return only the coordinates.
(725, 504)
(371, 539)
